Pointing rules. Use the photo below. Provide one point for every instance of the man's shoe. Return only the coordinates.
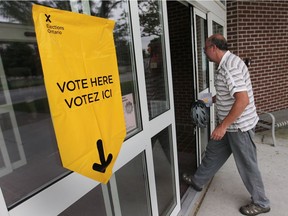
(189, 180)
(253, 209)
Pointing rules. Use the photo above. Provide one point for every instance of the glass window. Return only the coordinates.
(217, 28)
(153, 49)
(29, 158)
(164, 171)
(201, 33)
(32, 158)
(119, 11)
(89, 205)
(133, 190)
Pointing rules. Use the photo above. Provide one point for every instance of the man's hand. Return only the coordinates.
(241, 101)
(218, 132)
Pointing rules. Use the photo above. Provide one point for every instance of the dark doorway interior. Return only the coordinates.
(180, 35)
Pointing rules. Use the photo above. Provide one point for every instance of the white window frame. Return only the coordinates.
(197, 12)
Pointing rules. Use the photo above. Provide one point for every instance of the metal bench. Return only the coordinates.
(272, 120)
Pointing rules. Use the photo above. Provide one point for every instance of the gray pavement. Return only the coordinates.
(226, 192)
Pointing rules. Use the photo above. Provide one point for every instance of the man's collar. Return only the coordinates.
(227, 53)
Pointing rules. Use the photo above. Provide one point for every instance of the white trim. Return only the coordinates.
(107, 201)
(15, 33)
(172, 110)
(200, 13)
(221, 4)
(212, 17)
(74, 6)
(115, 196)
(86, 7)
(130, 148)
(151, 180)
(195, 84)
(199, 149)
(209, 6)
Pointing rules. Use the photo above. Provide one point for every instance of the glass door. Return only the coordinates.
(182, 63)
(201, 75)
(11, 150)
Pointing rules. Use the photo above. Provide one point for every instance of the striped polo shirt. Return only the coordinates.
(232, 76)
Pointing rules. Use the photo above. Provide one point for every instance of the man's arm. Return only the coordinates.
(241, 102)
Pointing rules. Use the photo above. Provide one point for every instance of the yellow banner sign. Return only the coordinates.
(82, 82)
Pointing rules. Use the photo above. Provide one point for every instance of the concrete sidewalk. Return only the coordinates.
(226, 192)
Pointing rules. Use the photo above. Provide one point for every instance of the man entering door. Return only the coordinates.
(237, 116)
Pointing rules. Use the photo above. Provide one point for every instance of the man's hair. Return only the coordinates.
(219, 41)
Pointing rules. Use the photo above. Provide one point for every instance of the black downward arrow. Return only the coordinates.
(104, 163)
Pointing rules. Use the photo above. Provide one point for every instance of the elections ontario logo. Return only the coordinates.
(53, 29)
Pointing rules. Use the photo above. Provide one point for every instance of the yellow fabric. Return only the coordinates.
(82, 82)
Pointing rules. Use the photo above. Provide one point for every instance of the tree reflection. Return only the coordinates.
(103, 8)
(152, 46)
(20, 11)
(149, 13)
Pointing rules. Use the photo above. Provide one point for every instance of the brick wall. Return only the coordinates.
(258, 30)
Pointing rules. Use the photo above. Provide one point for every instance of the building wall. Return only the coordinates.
(258, 30)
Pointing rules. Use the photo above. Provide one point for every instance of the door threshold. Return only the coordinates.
(192, 200)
